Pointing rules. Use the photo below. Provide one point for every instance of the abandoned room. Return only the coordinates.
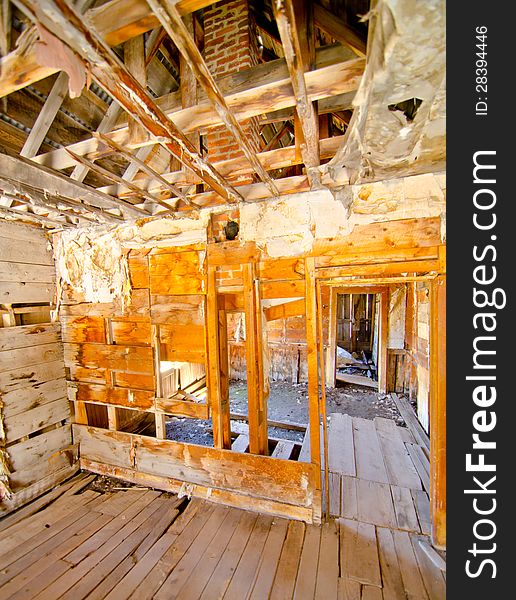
(222, 299)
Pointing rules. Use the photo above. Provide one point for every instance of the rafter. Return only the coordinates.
(25, 172)
(170, 18)
(251, 99)
(338, 30)
(116, 22)
(114, 77)
(285, 19)
(145, 167)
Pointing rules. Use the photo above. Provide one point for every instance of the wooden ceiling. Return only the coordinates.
(130, 144)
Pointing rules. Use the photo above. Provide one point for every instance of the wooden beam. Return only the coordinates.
(284, 13)
(149, 170)
(338, 30)
(272, 159)
(438, 410)
(114, 77)
(170, 18)
(277, 137)
(52, 104)
(134, 58)
(383, 333)
(116, 22)
(257, 91)
(25, 172)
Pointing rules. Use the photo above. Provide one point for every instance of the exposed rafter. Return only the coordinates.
(114, 77)
(170, 18)
(337, 29)
(284, 13)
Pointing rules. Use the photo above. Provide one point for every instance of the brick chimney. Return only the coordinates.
(229, 47)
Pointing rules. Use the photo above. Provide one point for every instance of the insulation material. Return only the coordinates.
(5, 490)
(397, 308)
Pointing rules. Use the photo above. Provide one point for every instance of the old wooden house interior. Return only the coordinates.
(222, 299)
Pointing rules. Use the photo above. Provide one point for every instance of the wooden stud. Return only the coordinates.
(383, 333)
(438, 410)
(313, 370)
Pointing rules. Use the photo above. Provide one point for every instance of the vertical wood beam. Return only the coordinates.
(438, 410)
(323, 401)
(331, 358)
(134, 58)
(313, 370)
(224, 366)
(220, 418)
(159, 418)
(383, 331)
(258, 426)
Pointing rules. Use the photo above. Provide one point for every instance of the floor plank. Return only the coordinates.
(328, 565)
(341, 451)
(286, 573)
(374, 502)
(369, 459)
(307, 572)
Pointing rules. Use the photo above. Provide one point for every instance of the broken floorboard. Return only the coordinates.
(141, 543)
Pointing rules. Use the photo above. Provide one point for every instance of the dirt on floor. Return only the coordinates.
(288, 402)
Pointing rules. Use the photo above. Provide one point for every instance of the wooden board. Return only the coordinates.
(369, 459)
(341, 448)
(176, 273)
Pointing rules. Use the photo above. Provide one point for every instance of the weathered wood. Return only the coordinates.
(383, 333)
(438, 410)
(285, 19)
(37, 418)
(26, 336)
(170, 18)
(26, 357)
(340, 445)
(337, 29)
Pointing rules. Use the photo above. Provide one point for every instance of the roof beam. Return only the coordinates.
(271, 160)
(23, 171)
(52, 105)
(170, 18)
(116, 22)
(252, 100)
(114, 77)
(338, 30)
(285, 19)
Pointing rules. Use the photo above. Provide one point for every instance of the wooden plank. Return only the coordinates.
(359, 553)
(341, 445)
(328, 566)
(410, 573)
(14, 250)
(432, 576)
(375, 503)
(27, 398)
(411, 421)
(400, 468)
(349, 503)
(356, 380)
(406, 517)
(335, 487)
(26, 273)
(269, 560)
(83, 329)
(221, 577)
(285, 579)
(337, 29)
(371, 593)
(422, 506)
(130, 359)
(241, 444)
(37, 418)
(369, 459)
(393, 587)
(243, 576)
(307, 572)
(283, 450)
(12, 292)
(420, 463)
(122, 397)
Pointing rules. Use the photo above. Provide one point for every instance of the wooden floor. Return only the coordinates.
(138, 543)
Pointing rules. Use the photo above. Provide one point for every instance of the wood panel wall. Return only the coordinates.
(35, 439)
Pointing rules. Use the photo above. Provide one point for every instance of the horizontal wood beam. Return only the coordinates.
(171, 21)
(253, 100)
(114, 77)
(338, 30)
(270, 159)
(285, 18)
(116, 21)
(25, 172)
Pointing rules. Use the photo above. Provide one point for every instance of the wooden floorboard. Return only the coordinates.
(138, 543)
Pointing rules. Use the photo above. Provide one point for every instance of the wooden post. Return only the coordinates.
(313, 371)
(323, 402)
(224, 367)
(159, 418)
(332, 339)
(382, 341)
(258, 428)
(438, 410)
(220, 421)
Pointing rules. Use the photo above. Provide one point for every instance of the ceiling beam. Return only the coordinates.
(116, 21)
(52, 105)
(114, 77)
(22, 170)
(285, 19)
(251, 100)
(171, 21)
(338, 30)
(270, 159)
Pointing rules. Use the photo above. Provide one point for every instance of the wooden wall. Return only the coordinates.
(36, 439)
